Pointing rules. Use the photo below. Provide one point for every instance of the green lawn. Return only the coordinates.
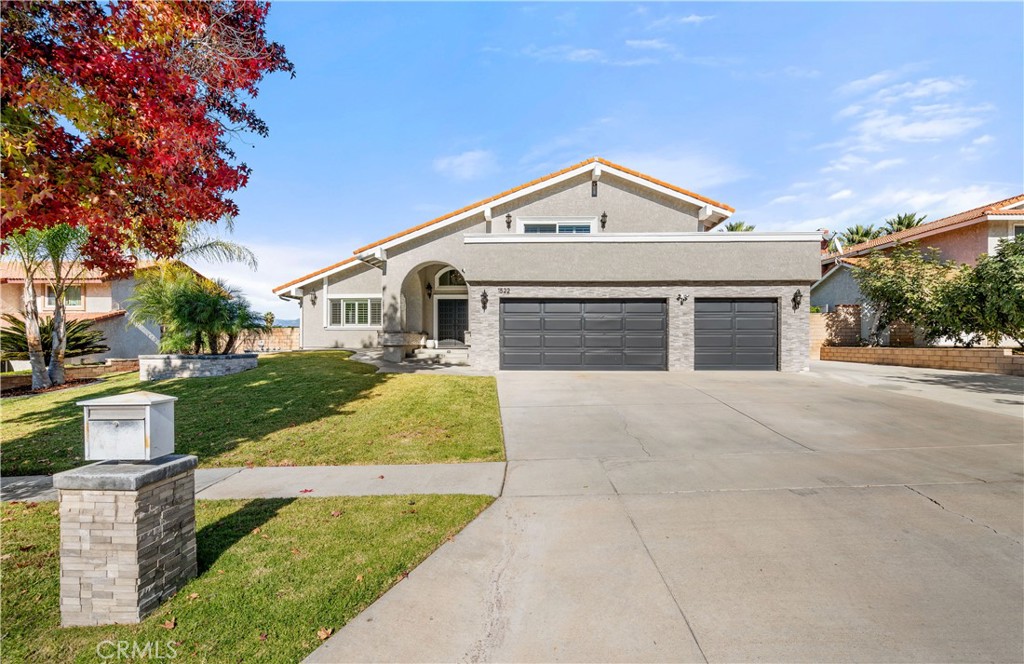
(261, 595)
(294, 409)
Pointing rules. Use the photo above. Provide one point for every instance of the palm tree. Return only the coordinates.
(737, 227)
(198, 244)
(859, 233)
(903, 221)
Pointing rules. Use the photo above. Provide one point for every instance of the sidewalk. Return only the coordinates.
(278, 482)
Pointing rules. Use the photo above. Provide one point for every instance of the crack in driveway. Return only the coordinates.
(962, 516)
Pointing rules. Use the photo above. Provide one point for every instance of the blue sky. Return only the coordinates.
(799, 115)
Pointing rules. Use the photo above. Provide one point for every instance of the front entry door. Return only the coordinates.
(452, 321)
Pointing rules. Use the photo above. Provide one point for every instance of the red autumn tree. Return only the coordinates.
(117, 117)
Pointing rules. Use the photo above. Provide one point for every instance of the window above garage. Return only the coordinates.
(556, 225)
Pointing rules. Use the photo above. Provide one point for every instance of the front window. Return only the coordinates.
(72, 297)
(574, 227)
(354, 312)
(451, 278)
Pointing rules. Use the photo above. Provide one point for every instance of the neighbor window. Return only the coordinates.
(575, 227)
(1018, 231)
(355, 312)
(72, 297)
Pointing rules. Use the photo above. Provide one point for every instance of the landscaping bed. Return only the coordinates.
(295, 409)
(275, 576)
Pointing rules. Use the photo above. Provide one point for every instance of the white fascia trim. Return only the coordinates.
(586, 168)
(642, 238)
(1006, 217)
(1014, 206)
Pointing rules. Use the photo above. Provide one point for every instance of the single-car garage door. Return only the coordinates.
(735, 334)
(580, 335)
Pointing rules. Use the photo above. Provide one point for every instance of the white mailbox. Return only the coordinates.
(137, 426)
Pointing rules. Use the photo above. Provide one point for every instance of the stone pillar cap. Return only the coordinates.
(124, 476)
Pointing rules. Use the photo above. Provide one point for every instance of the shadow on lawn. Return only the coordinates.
(216, 538)
(213, 415)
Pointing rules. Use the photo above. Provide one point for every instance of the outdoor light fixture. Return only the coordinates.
(508, 221)
(593, 189)
(430, 291)
(682, 298)
(604, 219)
(312, 298)
(483, 300)
(798, 297)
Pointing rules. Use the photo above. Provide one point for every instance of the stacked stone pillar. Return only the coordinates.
(127, 538)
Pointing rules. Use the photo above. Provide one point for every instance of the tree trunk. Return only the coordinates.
(36, 356)
(212, 339)
(59, 343)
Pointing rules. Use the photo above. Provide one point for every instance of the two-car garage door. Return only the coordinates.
(632, 335)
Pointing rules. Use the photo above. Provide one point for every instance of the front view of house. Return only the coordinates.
(594, 267)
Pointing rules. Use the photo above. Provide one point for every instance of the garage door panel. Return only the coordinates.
(602, 324)
(562, 307)
(521, 307)
(583, 334)
(560, 324)
(523, 324)
(574, 341)
(736, 334)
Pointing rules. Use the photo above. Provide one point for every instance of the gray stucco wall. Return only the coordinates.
(124, 339)
(838, 287)
(356, 280)
(723, 261)
(794, 326)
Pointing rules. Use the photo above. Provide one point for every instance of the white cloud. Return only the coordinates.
(862, 85)
(923, 124)
(578, 55)
(669, 21)
(983, 140)
(841, 195)
(468, 165)
(649, 44)
(845, 163)
(885, 164)
(789, 198)
(801, 72)
(922, 89)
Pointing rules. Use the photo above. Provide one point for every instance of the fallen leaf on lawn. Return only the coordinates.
(324, 632)
(249, 464)
(306, 491)
(55, 512)
(295, 551)
(27, 547)
(31, 505)
(265, 536)
(220, 571)
(192, 596)
(170, 624)
(263, 636)
(256, 530)
(359, 578)
(403, 575)
(336, 513)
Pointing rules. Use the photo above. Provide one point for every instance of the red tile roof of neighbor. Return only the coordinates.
(490, 199)
(907, 235)
(12, 272)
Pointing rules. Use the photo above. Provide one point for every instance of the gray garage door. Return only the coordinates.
(736, 334)
(580, 335)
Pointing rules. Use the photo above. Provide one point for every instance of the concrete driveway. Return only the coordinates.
(725, 517)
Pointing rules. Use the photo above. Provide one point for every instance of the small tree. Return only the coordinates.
(905, 285)
(80, 339)
(27, 246)
(998, 284)
(62, 244)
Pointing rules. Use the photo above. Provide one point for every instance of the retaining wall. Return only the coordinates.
(162, 367)
(983, 360)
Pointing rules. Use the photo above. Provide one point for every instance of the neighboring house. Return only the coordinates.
(962, 237)
(593, 267)
(94, 297)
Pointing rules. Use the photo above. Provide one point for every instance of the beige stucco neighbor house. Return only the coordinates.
(593, 267)
(93, 296)
(962, 237)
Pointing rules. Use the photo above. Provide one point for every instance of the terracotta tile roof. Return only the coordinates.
(531, 183)
(313, 274)
(12, 272)
(93, 316)
(526, 185)
(930, 226)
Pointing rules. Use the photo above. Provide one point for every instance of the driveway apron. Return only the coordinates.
(723, 517)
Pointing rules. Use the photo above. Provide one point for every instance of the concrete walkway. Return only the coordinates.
(465, 478)
(724, 517)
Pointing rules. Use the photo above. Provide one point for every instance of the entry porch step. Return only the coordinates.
(458, 356)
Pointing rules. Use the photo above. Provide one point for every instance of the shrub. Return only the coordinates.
(82, 339)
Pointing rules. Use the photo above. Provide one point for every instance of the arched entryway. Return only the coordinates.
(451, 308)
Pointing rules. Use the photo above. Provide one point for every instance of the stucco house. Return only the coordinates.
(593, 267)
(93, 296)
(962, 237)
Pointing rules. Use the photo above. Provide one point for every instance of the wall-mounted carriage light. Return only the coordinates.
(604, 219)
(430, 291)
(798, 297)
(483, 300)
(680, 298)
(508, 221)
(312, 298)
